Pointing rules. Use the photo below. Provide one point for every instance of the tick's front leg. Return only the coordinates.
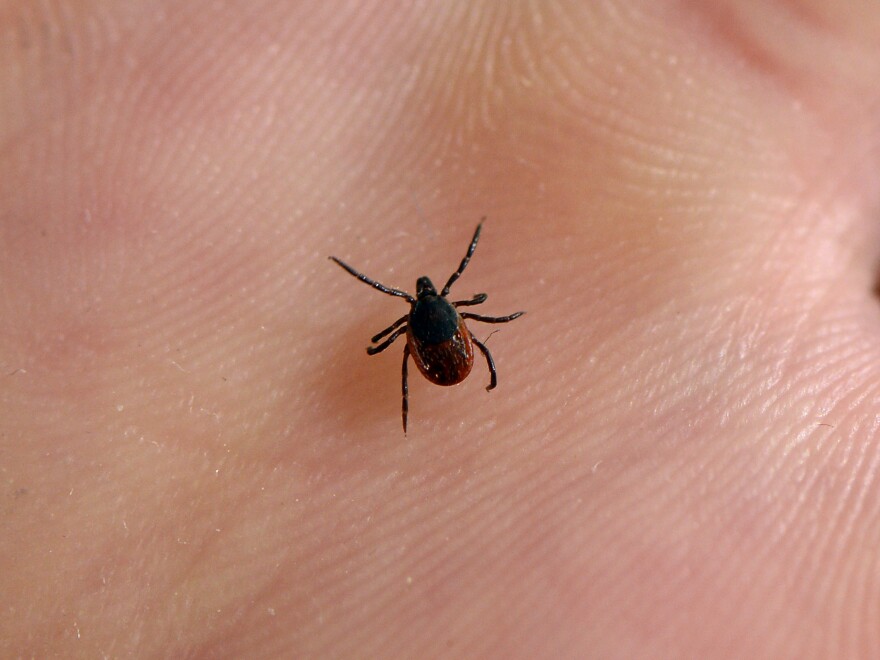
(478, 299)
(491, 319)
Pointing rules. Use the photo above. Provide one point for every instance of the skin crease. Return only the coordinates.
(197, 458)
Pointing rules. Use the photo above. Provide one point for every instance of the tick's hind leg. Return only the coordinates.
(493, 376)
(405, 388)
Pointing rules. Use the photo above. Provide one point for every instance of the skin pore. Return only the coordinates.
(197, 457)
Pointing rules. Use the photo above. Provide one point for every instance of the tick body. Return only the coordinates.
(437, 337)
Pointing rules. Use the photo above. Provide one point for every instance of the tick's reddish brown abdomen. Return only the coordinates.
(445, 363)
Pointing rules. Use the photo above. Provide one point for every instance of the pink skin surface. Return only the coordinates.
(197, 457)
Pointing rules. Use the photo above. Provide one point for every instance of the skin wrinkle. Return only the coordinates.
(649, 478)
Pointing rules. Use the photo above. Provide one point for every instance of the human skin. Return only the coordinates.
(197, 457)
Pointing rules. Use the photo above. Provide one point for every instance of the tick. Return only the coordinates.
(436, 334)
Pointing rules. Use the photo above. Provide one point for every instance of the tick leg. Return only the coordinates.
(389, 329)
(476, 300)
(374, 283)
(372, 350)
(491, 319)
(464, 262)
(493, 376)
(405, 388)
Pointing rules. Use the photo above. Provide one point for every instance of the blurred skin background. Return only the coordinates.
(197, 457)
